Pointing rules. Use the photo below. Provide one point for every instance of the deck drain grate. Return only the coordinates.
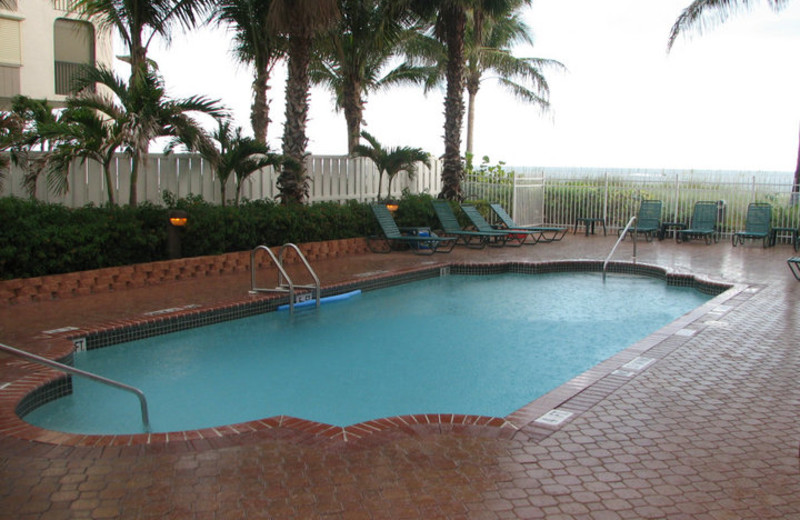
(638, 363)
(554, 417)
(685, 332)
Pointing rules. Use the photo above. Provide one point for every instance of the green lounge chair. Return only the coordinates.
(757, 224)
(472, 239)
(794, 266)
(515, 238)
(545, 233)
(393, 236)
(648, 220)
(703, 225)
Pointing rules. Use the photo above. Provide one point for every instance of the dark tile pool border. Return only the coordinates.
(568, 400)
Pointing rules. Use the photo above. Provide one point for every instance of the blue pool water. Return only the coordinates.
(484, 345)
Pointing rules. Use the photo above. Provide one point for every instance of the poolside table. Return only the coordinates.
(670, 227)
(589, 223)
(792, 232)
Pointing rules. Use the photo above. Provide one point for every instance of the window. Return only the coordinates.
(10, 53)
(10, 57)
(74, 48)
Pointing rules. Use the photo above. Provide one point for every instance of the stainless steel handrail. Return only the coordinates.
(620, 239)
(283, 274)
(288, 286)
(82, 373)
(315, 286)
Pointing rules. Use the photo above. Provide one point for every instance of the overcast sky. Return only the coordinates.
(726, 99)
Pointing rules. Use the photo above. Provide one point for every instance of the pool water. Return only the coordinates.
(481, 345)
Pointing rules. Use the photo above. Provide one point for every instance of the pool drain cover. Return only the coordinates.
(554, 417)
(638, 363)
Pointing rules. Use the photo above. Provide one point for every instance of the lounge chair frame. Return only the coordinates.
(515, 238)
(758, 225)
(544, 233)
(794, 266)
(648, 220)
(393, 236)
(471, 239)
(703, 225)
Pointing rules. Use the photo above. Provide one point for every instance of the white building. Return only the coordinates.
(42, 45)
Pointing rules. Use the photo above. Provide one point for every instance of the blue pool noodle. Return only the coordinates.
(312, 301)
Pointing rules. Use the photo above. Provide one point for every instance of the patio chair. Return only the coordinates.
(794, 266)
(516, 237)
(757, 224)
(545, 233)
(648, 220)
(471, 239)
(421, 240)
(703, 225)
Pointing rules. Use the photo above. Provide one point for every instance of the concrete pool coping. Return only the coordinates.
(536, 420)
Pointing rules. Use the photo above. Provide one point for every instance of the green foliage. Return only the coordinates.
(487, 183)
(416, 211)
(488, 172)
(38, 239)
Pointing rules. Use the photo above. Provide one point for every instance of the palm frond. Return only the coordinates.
(701, 15)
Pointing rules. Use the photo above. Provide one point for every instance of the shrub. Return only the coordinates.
(38, 239)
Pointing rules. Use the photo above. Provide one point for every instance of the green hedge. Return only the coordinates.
(38, 239)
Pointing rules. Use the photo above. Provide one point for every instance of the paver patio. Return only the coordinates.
(711, 430)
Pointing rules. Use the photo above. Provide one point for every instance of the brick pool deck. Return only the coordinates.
(709, 430)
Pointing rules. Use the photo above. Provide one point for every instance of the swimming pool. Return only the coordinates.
(483, 345)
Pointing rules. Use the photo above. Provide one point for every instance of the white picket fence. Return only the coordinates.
(555, 196)
(332, 178)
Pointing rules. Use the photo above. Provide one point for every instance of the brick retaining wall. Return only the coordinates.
(57, 287)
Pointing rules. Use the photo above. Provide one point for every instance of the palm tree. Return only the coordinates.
(237, 155)
(493, 54)
(10, 129)
(300, 20)
(138, 21)
(391, 161)
(257, 44)
(450, 28)
(142, 113)
(84, 134)
(352, 56)
(700, 13)
(30, 148)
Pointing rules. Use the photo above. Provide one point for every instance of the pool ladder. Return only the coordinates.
(285, 284)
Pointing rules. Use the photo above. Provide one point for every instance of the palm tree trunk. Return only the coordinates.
(472, 94)
(473, 77)
(452, 168)
(109, 182)
(238, 195)
(353, 113)
(259, 111)
(292, 181)
(138, 56)
(133, 197)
